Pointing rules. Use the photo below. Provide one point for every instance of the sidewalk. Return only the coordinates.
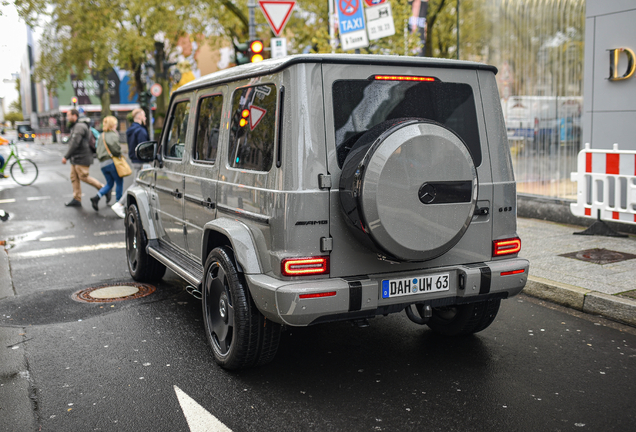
(605, 288)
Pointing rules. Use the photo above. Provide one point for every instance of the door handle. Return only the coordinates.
(209, 204)
(177, 194)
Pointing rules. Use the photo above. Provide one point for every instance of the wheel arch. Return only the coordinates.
(237, 236)
(138, 196)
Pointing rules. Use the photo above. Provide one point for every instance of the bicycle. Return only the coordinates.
(23, 171)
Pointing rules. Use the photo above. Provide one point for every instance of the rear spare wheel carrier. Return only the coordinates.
(409, 188)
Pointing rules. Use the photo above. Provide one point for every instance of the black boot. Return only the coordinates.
(94, 201)
(108, 196)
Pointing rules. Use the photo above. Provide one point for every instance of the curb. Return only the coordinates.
(6, 285)
(615, 308)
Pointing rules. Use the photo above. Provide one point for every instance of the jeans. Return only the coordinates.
(112, 178)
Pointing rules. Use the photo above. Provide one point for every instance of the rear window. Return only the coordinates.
(359, 105)
(23, 129)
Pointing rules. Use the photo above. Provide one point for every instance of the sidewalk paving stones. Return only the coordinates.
(602, 289)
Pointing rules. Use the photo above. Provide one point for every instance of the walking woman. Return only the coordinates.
(109, 137)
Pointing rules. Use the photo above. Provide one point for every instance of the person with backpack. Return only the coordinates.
(81, 157)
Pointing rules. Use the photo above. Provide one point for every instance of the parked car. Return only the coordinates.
(322, 188)
(25, 131)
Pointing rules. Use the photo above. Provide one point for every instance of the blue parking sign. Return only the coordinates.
(353, 33)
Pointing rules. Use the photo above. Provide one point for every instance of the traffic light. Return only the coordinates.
(255, 52)
(74, 101)
(241, 53)
(144, 98)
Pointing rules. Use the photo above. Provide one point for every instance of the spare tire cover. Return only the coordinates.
(408, 189)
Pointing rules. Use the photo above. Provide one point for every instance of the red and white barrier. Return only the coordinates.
(606, 182)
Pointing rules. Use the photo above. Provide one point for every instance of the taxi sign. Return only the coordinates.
(353, 33)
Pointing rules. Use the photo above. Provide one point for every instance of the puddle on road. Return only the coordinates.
(16, 232)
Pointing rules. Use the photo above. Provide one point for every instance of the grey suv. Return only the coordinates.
(320, 188)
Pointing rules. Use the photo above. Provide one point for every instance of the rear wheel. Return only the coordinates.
(24, 172)
(142, 267)
(240, 336)
(464, 319)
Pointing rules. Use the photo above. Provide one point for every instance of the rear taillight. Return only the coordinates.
(305, 266)
(506, 247)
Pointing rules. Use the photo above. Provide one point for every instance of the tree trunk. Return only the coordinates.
(105, 94)
(430, 22)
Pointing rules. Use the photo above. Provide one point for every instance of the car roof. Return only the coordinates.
(271, 66)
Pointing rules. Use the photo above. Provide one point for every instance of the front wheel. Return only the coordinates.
(240, 336)
(142, 267)
(24, 172)
(464, 319)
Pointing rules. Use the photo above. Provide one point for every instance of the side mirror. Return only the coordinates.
(147, 151)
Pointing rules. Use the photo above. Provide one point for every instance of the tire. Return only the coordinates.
(408, 189)
(142, 267)
(464, 319)
(240, 336)
(24, 172)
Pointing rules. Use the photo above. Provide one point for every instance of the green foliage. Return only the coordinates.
(13, 117)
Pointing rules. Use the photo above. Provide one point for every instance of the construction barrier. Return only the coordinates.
(606, 185)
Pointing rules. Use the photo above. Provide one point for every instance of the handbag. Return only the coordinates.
(122, 167)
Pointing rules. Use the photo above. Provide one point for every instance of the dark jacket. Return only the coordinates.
(78, 151)
(135, 135)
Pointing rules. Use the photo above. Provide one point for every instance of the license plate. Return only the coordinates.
(415, 285)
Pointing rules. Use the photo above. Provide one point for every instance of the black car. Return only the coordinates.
(26, 133)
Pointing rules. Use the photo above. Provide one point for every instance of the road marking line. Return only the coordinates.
(6, 201)
(105, 233)
(68, 250)
(40, 198)
(198, 418)
(47, 239)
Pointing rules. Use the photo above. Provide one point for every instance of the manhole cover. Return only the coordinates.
(599, 256)
(114, 292)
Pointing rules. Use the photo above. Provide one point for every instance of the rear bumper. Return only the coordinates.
(360, 297)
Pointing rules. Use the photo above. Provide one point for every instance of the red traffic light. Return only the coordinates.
(256, 51)
(74, 100)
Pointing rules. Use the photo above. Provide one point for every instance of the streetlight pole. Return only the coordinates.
(251, 4)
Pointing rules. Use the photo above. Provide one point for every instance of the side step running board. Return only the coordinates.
(176, 261)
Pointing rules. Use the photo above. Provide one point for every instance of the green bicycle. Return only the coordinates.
(23, 171)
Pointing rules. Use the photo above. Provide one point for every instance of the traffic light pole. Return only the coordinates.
(251, 4)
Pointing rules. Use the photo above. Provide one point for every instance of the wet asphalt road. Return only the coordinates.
(118, 366)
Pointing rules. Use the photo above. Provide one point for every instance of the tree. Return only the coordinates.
(13, 117)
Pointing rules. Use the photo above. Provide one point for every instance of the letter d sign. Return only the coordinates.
(614, 58)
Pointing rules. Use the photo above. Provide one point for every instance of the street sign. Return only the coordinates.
(256, 115)
(380, 21)
(279, 47)
(277, 13)
(351, 22)
(156, 90)
(371, 3)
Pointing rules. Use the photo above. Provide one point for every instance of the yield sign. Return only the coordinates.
(256, 115)
(277, 13)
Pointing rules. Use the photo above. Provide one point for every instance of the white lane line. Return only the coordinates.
(68, 250)
(198, 418)
(105, 233)
(40, 198)
(48, 239)
(6, 201)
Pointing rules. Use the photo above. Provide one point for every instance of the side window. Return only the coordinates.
(175, 142)
(253, 128)
(208, 126)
